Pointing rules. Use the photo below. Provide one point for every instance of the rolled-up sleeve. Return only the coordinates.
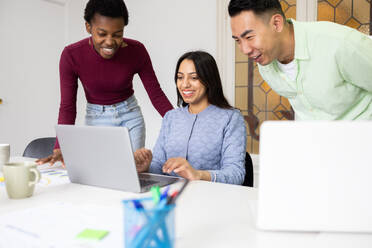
(354, 60)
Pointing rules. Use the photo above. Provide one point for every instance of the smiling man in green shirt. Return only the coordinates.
(323, 68)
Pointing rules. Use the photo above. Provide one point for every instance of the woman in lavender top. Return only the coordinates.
(204, 139)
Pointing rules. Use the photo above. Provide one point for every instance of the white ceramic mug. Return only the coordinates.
(20, 179)
(4, 154)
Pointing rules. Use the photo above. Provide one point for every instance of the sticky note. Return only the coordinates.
(1, 179)
(92, 234)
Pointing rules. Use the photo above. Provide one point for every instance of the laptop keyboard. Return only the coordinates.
(147, 182)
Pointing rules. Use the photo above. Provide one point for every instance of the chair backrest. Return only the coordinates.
(40, 148)
(248, 179)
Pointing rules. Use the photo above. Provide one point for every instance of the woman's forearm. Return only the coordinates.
(204, 175)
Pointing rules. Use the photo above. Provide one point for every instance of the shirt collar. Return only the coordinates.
(301, 48)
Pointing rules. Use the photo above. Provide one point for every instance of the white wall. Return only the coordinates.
(75, 31)
(35, 32)
(31, 40)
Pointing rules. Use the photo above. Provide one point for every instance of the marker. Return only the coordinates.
(137, 204)
(164, 195)
(176, 194)
(155, 190)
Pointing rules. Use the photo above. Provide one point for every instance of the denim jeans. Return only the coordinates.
(125, 114)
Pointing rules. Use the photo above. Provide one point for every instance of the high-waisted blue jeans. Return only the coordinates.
(126, 114)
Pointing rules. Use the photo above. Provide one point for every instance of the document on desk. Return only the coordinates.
(53, 176)
(57, 225)
(50, 175)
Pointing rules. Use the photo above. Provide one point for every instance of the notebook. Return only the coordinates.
(315, 176)
(102, 156)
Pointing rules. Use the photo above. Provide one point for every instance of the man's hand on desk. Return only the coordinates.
(56, 156)
(143, 158)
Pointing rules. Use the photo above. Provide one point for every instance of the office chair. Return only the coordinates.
(40, 148)
(248, 179)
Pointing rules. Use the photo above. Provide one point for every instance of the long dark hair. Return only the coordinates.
(207, 71)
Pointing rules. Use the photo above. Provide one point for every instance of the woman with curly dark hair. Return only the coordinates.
(105, 63)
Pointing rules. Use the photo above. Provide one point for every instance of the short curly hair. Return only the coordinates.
(259, 7)
(110, 8)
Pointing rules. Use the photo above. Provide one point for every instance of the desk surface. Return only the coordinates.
(207, 215)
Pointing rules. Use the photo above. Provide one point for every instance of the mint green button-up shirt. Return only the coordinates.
(334, 78)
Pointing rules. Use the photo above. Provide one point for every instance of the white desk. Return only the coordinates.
(207, 215)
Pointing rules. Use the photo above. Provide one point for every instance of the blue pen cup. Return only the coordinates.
(150, 225)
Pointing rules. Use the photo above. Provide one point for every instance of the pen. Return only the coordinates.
(164, 195)
(174, 196)
(137, 204)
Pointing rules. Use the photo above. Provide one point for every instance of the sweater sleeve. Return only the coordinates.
(159, 155)
(233, 152)
(152, 86)
(68, 87)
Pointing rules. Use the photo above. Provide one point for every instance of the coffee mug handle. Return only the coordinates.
(37, 177)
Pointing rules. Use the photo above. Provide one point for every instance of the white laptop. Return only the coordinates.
(315, 176)
(103, 157)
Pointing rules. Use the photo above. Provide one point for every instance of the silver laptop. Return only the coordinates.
(315, 176)
(103, 157)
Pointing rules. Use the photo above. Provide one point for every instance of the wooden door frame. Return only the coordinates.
(225, 51)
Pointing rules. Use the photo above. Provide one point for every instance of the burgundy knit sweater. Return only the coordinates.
(106, 81)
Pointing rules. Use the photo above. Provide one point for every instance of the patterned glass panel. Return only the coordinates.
(254, 97)
(352, 13)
